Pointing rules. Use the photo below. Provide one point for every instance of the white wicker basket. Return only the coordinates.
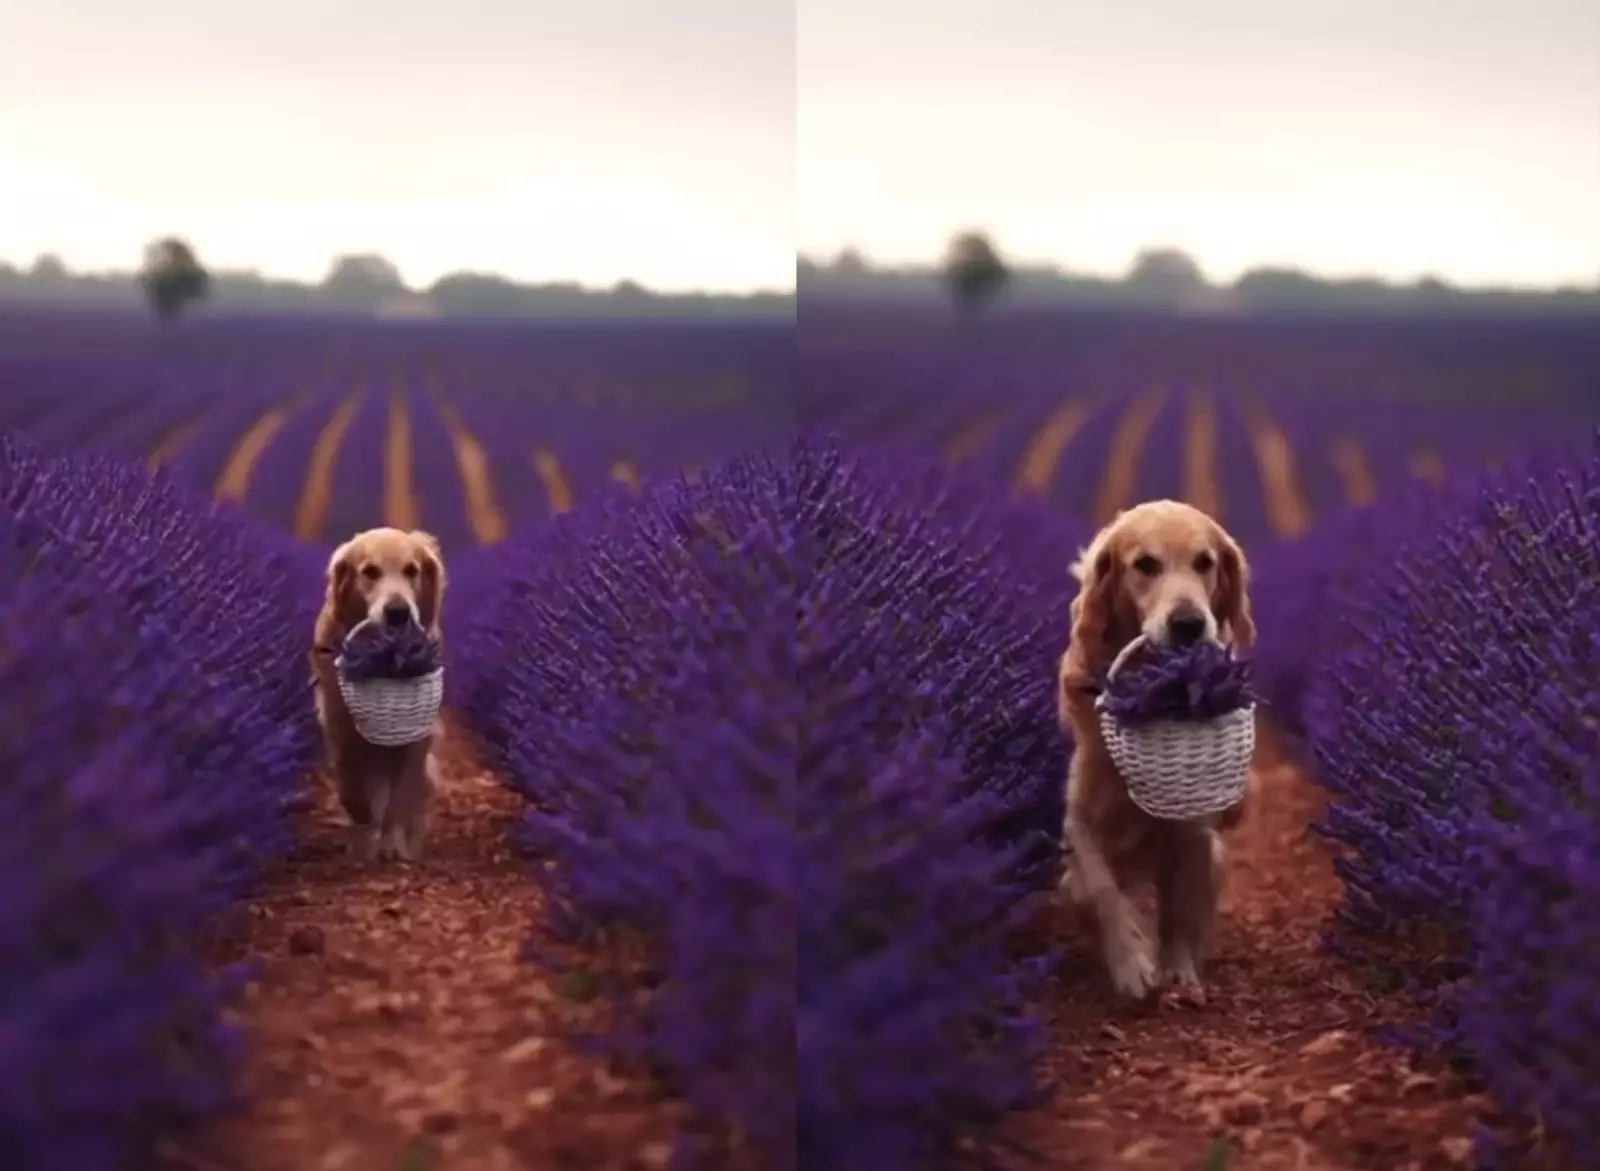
(393, 712)
(1180, 770)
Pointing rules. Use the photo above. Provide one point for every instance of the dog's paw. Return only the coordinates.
(401, 845)
(1133, 973)
(1131, 960)
(1179, 970)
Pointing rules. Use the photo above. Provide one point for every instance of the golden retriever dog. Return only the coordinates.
(393, 577)
(1167, 571)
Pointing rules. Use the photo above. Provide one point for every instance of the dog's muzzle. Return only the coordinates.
(398, 612)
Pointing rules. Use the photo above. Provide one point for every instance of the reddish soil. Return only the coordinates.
(396, 1024)
(1275, 1067)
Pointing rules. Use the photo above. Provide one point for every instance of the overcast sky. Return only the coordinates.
(697, 143)
(603, 139)
(1459, 137)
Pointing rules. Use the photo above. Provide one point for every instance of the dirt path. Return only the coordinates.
(1037, 468)
(395, 1025)
(1121, 474)
(400, 508)
(233, 485)
(1277, 1058)
(316, 494)
(1288, 513)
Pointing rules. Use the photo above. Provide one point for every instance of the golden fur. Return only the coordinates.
(1168, 571)
(385, 791)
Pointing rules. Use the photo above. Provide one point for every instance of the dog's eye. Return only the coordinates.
(1148, 565)
(371, 572)
(1204, 563)
(411, 570)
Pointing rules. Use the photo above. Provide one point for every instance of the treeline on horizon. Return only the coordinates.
(1158, 279)
(1168, 278)
(370, 284)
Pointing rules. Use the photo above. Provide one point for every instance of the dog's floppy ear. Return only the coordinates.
(1099, 571)
(342, 601)
(1232, 602)
(429, 543)
(430, 594)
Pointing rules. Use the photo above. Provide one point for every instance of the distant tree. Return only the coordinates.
(173, 277)
(1166, 273)
(479, 294)
(363, 282)
(973, 270)
(851, 261)
(1272, 285)
(1432, 289)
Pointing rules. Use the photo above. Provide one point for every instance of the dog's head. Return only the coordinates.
(389, 576)
(1164, 570)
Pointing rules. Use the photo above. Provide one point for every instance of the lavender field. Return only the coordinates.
(323, 427)
(765, 760)
(1268, 425)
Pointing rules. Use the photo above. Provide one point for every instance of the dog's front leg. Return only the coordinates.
(406, 821)
(1188, 886)
(364, 793)
(1123, 939)
(378, 786)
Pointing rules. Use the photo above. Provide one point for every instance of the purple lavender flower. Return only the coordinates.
(1201, 682)
(930, 800)
(151, 749)
(630, 668)
(814, 760)
(376, 651)
(1456, 725)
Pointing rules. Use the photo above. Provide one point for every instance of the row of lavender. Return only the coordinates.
(812, 767)
(157, 733)
(1440, 662)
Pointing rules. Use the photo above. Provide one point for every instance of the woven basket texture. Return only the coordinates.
(1180, 770)
(393, 712)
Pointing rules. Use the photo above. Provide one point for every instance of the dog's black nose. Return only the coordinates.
(396, 614)
(1186, 629)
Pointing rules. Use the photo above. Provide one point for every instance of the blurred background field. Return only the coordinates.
(469, 428)
(321, 427)
(1266, 422)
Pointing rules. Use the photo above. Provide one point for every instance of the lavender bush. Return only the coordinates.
(1196, 683)
(631, 668)
(1300, 590)
(931, 770)
(376, 651)
(1458, 730)
(155, 729)
(824, 829)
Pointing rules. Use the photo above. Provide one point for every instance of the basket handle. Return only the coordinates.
(1138, 644)
(1127, 652)
(351, 633)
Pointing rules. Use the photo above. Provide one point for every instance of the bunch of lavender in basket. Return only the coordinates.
(1195, 683)
(377, 651)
